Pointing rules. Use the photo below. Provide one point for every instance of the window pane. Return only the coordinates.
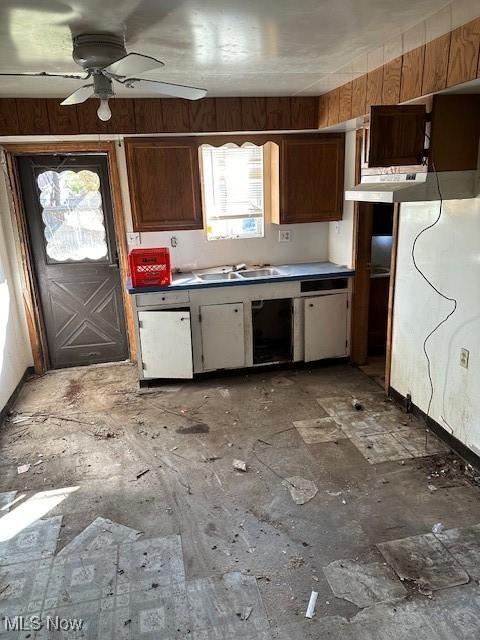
(72, 215)
(233, 191)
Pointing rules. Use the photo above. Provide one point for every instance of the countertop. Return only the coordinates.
(287, 272)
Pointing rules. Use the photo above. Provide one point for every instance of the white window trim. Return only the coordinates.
(270, 192)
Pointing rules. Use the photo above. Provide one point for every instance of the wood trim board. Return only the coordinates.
(391, 296)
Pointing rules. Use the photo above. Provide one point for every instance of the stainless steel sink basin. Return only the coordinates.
(259, 273)
(220, 275)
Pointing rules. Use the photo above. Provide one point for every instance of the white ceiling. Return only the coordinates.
(230, 47)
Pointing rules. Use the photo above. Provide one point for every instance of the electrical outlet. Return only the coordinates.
(284, 235)
(133, 239)
(464, 356)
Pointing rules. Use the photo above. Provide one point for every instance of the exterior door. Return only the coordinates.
(223, 336)
(68, 208)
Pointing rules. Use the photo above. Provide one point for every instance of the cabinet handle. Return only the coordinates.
(236, 310)
(310, 304)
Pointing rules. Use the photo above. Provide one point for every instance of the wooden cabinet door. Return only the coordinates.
(397, 135)
(223, 336)
(164, 182)
(326, 327)
(166, 344)
(311, 178)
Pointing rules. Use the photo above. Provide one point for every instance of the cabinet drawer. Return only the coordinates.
(159, 298)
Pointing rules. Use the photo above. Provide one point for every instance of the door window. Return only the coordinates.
(72, 214)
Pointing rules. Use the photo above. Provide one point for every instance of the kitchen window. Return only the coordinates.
(233, 191)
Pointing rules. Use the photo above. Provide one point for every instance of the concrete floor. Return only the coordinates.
(160, 462)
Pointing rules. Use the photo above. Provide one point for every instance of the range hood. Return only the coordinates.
(411, 155)
(416, 187)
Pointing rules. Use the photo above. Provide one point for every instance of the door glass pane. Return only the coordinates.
(73, 216)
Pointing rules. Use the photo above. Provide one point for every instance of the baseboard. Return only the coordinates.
(451, 441)
(29, 371)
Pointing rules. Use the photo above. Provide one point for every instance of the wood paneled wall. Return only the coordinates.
(444, 62)
(43, 116)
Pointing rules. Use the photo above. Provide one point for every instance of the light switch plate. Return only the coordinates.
(284, 235)
(133, 239)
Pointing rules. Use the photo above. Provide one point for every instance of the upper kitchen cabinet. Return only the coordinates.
(164, 182)
(311, 178)
(397, 135)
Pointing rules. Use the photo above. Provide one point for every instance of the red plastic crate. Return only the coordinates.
(150, 267)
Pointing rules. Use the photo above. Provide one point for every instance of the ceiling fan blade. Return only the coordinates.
(166, 88)
(79, 96)
(46, 74)
(133, 63)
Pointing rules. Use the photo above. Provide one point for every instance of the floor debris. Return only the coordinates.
(464, 545)
(319, 430)
(364, 584)
(425, 560)
(312, 603)
(239, 465)
(246, 613)
(23, 468)
(301, 489)
(100, 534)
(296, 562)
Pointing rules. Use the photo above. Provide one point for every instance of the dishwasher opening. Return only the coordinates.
(272, 331)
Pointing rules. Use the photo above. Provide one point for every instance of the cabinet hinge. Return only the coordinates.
(199, 317)
(347, 303)
(139, 324)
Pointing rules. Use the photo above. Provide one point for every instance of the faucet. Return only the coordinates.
(239, 267)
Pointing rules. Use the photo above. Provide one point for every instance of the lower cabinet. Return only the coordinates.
(326, 327)
(166, 343)
(177, 340)
(223, 336)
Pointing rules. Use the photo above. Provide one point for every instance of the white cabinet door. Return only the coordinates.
(166, 344)
(326, 326)
(223, 336)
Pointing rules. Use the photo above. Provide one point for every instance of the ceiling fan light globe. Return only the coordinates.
(103, 111)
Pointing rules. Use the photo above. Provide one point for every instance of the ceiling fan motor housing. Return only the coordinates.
(97, 51)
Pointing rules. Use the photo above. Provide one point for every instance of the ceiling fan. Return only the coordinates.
(105, 60)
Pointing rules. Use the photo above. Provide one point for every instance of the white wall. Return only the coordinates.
(309, 241)
(15, 352)
(340, 234)
(450, 255)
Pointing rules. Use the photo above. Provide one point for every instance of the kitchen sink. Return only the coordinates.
(260, 273)
(220, 275)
